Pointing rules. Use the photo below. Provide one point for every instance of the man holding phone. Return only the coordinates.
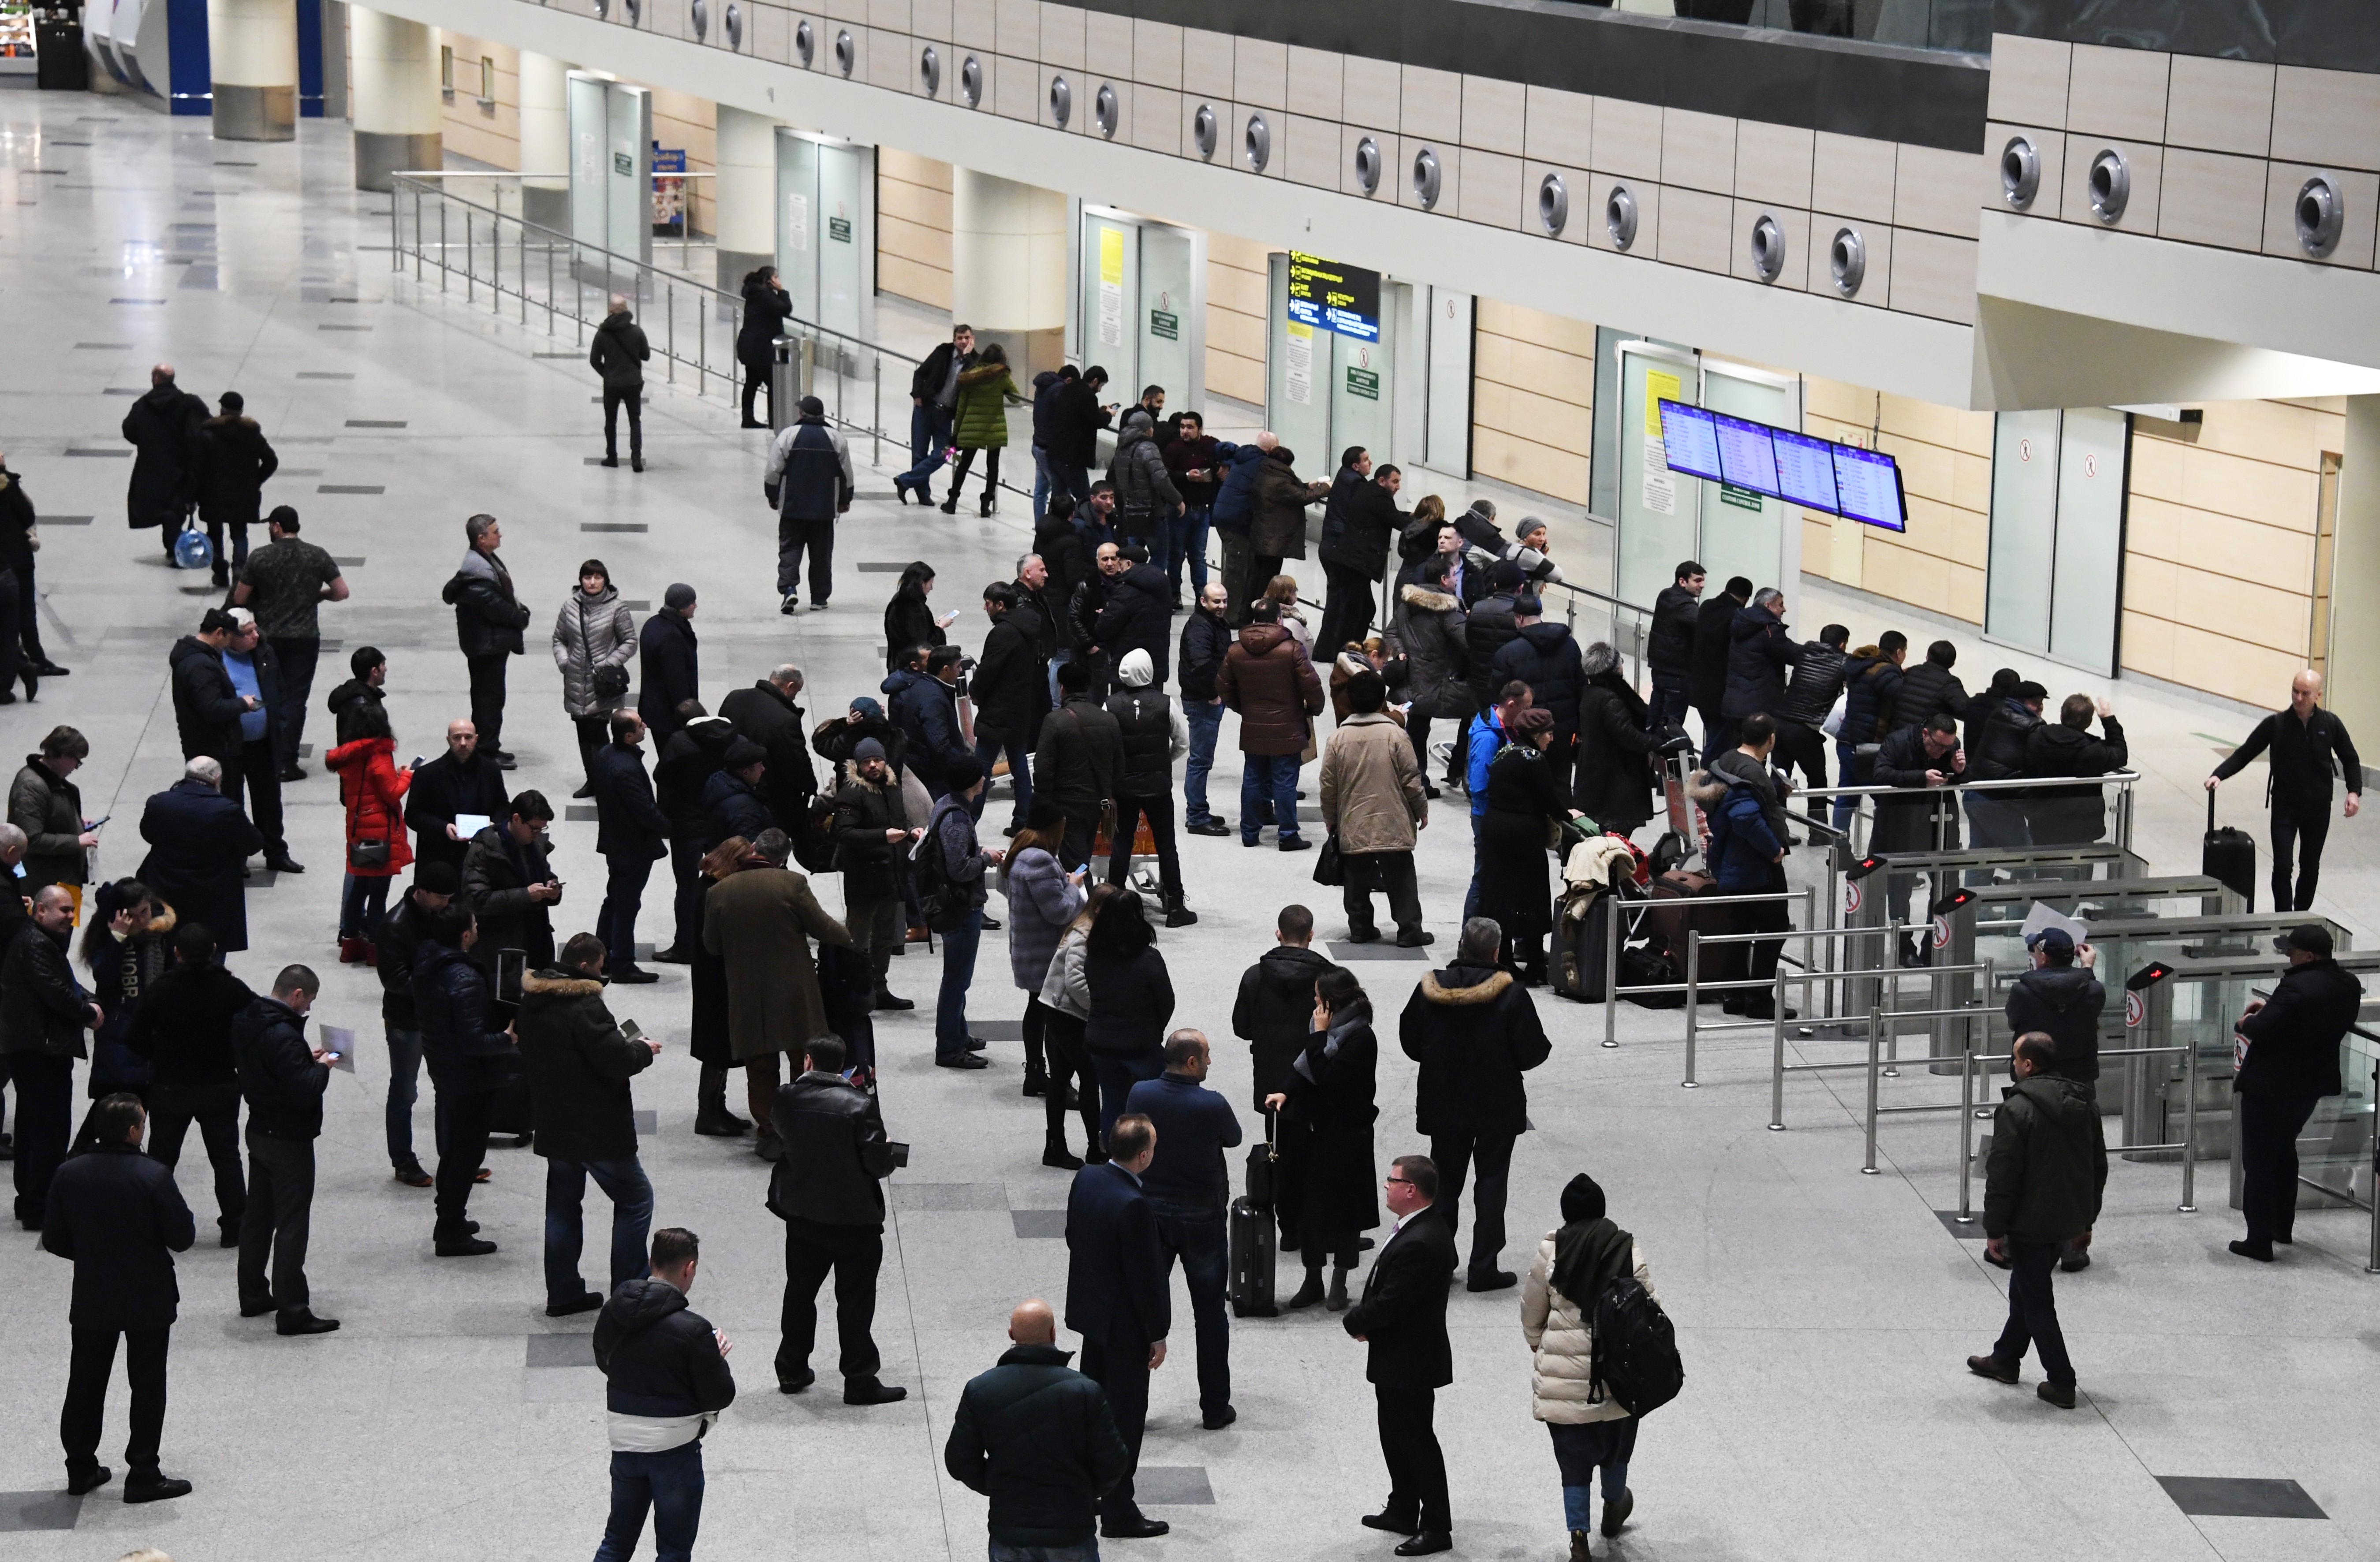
(282, 1078)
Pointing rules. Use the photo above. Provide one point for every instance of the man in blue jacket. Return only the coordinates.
(809, 481)
(1117, 1299)
(1235, 507)
(925, 706)
(282, 1078)
(1188, 1190)
(1482, 741)
(1746, 857)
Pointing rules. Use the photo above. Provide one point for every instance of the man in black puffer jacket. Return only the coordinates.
(2062, 998)
(1809, 701)
(1545, 657)
(1274, 1012)
(1714, 637)
(1871, 683)
(1931, 687)
(1038, 1438)
(182, 1025)
(2068, 816)
(666, 1382)
(206, 708)
(1670, 645)
(829, 1191)
(282, 1077)
(1154, 737)
(1205, 641)
(470, 1061)
(1998, 817)
(1137, 616)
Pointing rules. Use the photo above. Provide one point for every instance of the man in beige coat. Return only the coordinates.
(1373, 805)
(759, 922)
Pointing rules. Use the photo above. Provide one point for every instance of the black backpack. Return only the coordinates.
(945, 903)
(1636, 1356)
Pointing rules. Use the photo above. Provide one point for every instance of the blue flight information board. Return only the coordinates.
(1816, 474)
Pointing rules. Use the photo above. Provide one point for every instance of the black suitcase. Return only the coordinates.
(1255, 1252)
(1585, 948)
(2230, 855)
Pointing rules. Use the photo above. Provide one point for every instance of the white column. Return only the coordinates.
(252, 53)
(1008, 267)
(545, 139)
(2352, 685)
(397, 112)
(746, 193)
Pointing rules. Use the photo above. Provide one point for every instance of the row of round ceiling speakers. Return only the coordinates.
(2319, 211)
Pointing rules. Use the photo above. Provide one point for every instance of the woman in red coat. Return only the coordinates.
(373, 790)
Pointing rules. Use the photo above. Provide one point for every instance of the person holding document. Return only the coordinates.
(282, 1078)
(461, 787)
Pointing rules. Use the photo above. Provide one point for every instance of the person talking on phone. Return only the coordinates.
(282, 1077)
(510, 886)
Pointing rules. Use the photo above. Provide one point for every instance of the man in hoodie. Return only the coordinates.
(1146, 500)
(488, 623)
(1670, 646)
(1205, 641)
(666, 1380)
(618, 356)
(182, 1025)
(208, 711)
(1360, 524)
(809, 482)
(282, 1077)
(2291, 1062)
(2072, 815)
(1078, 762)
(1714, 642)
(1194, 460)
(368, 672)
(1038, 1438)
(1809, 701)
(1153, 737)
(1273, 688)
(1136, 617)
(165, 430)
(2061, 998)
(236, 461)
(1545, 657)
(2042, 1187)
(829, 1190)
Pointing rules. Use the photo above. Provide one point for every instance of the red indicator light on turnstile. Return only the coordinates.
(1862, 868)
(2148, 976)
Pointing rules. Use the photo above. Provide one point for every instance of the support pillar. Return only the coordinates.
(2353, 686)
(397, 111)
(1008, 267)
(545, 141)
(252, 55)
(746, 193)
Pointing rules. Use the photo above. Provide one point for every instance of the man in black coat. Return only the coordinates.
(2042, 1191)
(1544, 656)
(1759, 650)
(1670, 646)
(402, 933)
(1038, 1438)
(115, 1215)
(669, 667)
(43, 1015)
(164, 430)
(766, 713)
(631, 834)
(1927, 760)
(18, 599)
(182, 1025)
(2308, 745)
(470, 1061)
(1205, 641)
(282, 1077)
(488, 619)
(509, 885)
(666, 1381)
(235, 462)
(579, 1060)
(2073, 815)
(1360, 522)
(1475, 1033)
(1403, 1318)
(731, 798)
(1809, 699)
(1011, 690)
(1139, 615)
(1274, 1012)
(2000, 752)
(1117, 1299)
(2291, 1062)
(1930, 689)
(2062, 1000)
(829, 1191)
(1080, 755)
(1714, 638)
(681, 779)
(871, 828)
(256, 780)
(1075, 419)
(618, 355)
(206, 708)
(461, 783)
(198, 847)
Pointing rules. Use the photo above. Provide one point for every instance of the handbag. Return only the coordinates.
(367, 855)
(611, 681)
(1329, 868)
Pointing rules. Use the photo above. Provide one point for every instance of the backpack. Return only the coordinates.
(1635, 1352)
(945, 902)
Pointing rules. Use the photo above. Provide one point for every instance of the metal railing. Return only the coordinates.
(1943, 820)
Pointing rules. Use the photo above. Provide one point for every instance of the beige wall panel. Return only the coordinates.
(2156, 468)
(1852, 405)
(888, 16)
(932, 18)
(1892, 569)
(1314, 152)
(1019, 29)
(2149, 586)
(2029, 80)
(1062, 36)
(1156, 120)
(2326, 117)
(1107, 46)
(1207, 64)
(772, 34)
(2211, 198)
(2354, 250)
(1018, 91)
(2147, 643)
(1260, 73)
(1489, 190)
(2232, 668)
(1558, 332)
(1431, 106)
(1773, 164)
(1852, 174)
(2219, 105)
(1930, 191)
(2280, 432)
(975, 24)
(1628, 138)
(1241, 379)
(1698, 150)
(2241, 610)
(1541, 468)
(1372, 92)
(1315, 78)
(1560, 126)
(904, 278)
(1495, 114)
(892, 62)
(1157, 54)
(1933, 275)
(1696, 230)
(2119, 93)
(2272, 555)
(2256, 491)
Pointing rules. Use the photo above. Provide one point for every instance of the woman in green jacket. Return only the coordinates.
(985, 392)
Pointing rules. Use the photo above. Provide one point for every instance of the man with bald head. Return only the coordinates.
(164, 430)
(1036, 1437)
(461, 783)
(43, 1015)
(2306, 746)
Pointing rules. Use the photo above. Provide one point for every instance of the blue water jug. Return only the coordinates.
(191, 549)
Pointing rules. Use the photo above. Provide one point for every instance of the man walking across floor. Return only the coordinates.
(1474, 1032)
(933, 411)
(666, 1382)
(285, 582)
(2290, 1061)
(1374, 807)
(2042, 1187)
(618, 355)
(829, 1191)
(1038, 1438)
(282, 1077)
(1118, 1300)
(631, 834)
(2307, 745)
(488, 619)
(165, 430)
(1401, 1319)
(115, 1215)
(1188, 1190)
(809, 481)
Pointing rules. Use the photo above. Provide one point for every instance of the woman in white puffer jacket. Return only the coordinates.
(1580, 1260)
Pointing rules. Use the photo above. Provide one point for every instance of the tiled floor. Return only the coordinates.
(1822, 1314)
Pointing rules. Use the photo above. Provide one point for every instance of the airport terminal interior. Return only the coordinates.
(2045, 330)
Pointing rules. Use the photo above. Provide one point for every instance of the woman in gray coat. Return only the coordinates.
(593, 635)
(1432, 631)
(1043, 901)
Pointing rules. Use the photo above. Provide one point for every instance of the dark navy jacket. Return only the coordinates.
(628, 823)
(1194, 1126)
(118, 1215)
(1115, 1275)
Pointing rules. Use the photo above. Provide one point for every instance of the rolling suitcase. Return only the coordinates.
(1674, 916)
(2230, 855)
(1254, 1241)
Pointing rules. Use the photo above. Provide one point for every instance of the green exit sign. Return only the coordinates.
(839, 229)
(1164, 326)
(1741, 498)
(1364, 382)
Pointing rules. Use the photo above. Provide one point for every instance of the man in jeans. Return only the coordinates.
(285, 582)
(1188, 1190)
(2042, 1187)
(580, 1061)
(435, 885)
(1205, 641)
(666, 1380)
(934, 399)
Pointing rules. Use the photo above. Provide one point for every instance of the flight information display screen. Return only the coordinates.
(1816, 474)
(1747, 456)
(1870, 486)
(1805, 470)
(1690, 439)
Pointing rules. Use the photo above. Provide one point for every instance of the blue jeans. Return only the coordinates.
(362, 903)
(1205, 721)
(1117, 1074)
(670, 1484)
(631, 1193)
(1579, 1450)
(930, 435)
(1185, 540)
(1020, 771)
(1057, 659)
(1085, 1551)
(1069, 480)
(1040, 484)
(624, 896)
(958, 970)
(1855, 771)
(1194, 1233)
(1268, 775)
(404, 1086)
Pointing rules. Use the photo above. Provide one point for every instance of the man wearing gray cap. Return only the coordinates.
(2288, 1059)
(809, 481)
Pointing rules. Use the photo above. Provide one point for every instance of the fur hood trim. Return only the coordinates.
(1488, 991)
(1422, 597)
(1707, 789)
(560, 986)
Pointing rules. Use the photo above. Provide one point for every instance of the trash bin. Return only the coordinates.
(793, 364)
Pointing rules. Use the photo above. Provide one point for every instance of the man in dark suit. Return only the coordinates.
(1403, 1318)
(115, 1213)
(1117, 1299)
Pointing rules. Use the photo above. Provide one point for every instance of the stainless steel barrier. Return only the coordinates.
(1613, 991)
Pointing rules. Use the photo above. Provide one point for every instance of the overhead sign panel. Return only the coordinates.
(1840, 479)
(1329, 296)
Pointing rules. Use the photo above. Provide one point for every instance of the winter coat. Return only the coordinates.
(497, 872)
(1670, 644)
(1714, 640)
(927, 711)
(279, 1079)
(1149, 729)
(234, 461)
(1818, 681)
(2072, 815)
(809, 476)
(1138, 617)
(183, 1024)
(1435, 633)
(372, 791)
(2063, 1002)
(1145, 491)
(629, 824)
(1066, 989)
(836, 1158)
(669, 672)
(404, 933)
(909, 623)
(767, 308)
(1273, 688)
(681, 776)
(660, 1360)
(206, 707)
(1742, 851)
(2006, 742)
(122, 971)
(1871, 689)
(760, 922)
(17, 522)
(164, 428)
(578, 1065)
(1758, 652)
(1910, 823)
(346, 701)
(1277, 521)
(933, 372)
(1201, 455)
(767, 716)
(588, 633)
(116, 1214)
(1011, 688)
(2304, 756)
(2293, 1039)
(488, 617)
(1235, 500)
(1045, 387)
(1475, 1033)
(1488, 629)
(1612, 779)
(863, 812)
(1926, 689)
(1074, 424)
(1079, 758)
(1560, 1335)
(1274, 1013)
(43, 1010)
(1359, 525)
(442, 790)
(984, 395)
(466, 1052)
(199, 842)
(2048, 1163)
(1735, 765)
(48, 809)
(1038, 1438)
(1042, 903)
(1523, 798)
(1327, 1188)
(1059, 543)
(730, 807)
(619, 352)
(1372, 798)
(1131, 1003)
(1205, 641)
(1544, 656)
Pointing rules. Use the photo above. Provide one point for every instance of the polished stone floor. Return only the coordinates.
(1823, 1315)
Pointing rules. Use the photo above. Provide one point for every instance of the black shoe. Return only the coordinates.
(2074, 1263)
(1616, 1511)
(1430, 794)
(293, 772)
(1212, 827)
(1179, 915)
(1141, 1528)
(635, 464)
(754, 423)
(769, 1147)
(1054, 1154)
(2261, 1254)
(504, 761)
(632, 975)
(1997, 1262)
(413, 1177)
(1768, 1011)
(949, 506)
(256, 1309)
(609, 461)
(154, 1487)
(463, 1247)
(790, 606)
(964, 1060)
(1993, 1367)
(1426, 1544)
(1037, 1082)
(1362, 935)
(673, 955)
(1415, 938)
(869, 1391)
(583, 792)
(796, 1383)
(585, 1301)
(976, 1044)
(1295, 844)
(1394, 1523)
(2058, 1393)
(1337, 1300)
(718, 1122)
(285, 863)
(1220, 1419)
(990, 925)
(1491, 1279)
(1731, 1004)
(304, 1322)
(1310, 1292)
(91, 1480)
(885, 999)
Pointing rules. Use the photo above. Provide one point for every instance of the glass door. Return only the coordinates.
(1363, 393)
(2059, 485)
(1658, 512)
(842, 183)
(1110, 273)
(2024, 528)
(1298, 371)
(798, 244)
(1743, 533)
(1167, 312)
